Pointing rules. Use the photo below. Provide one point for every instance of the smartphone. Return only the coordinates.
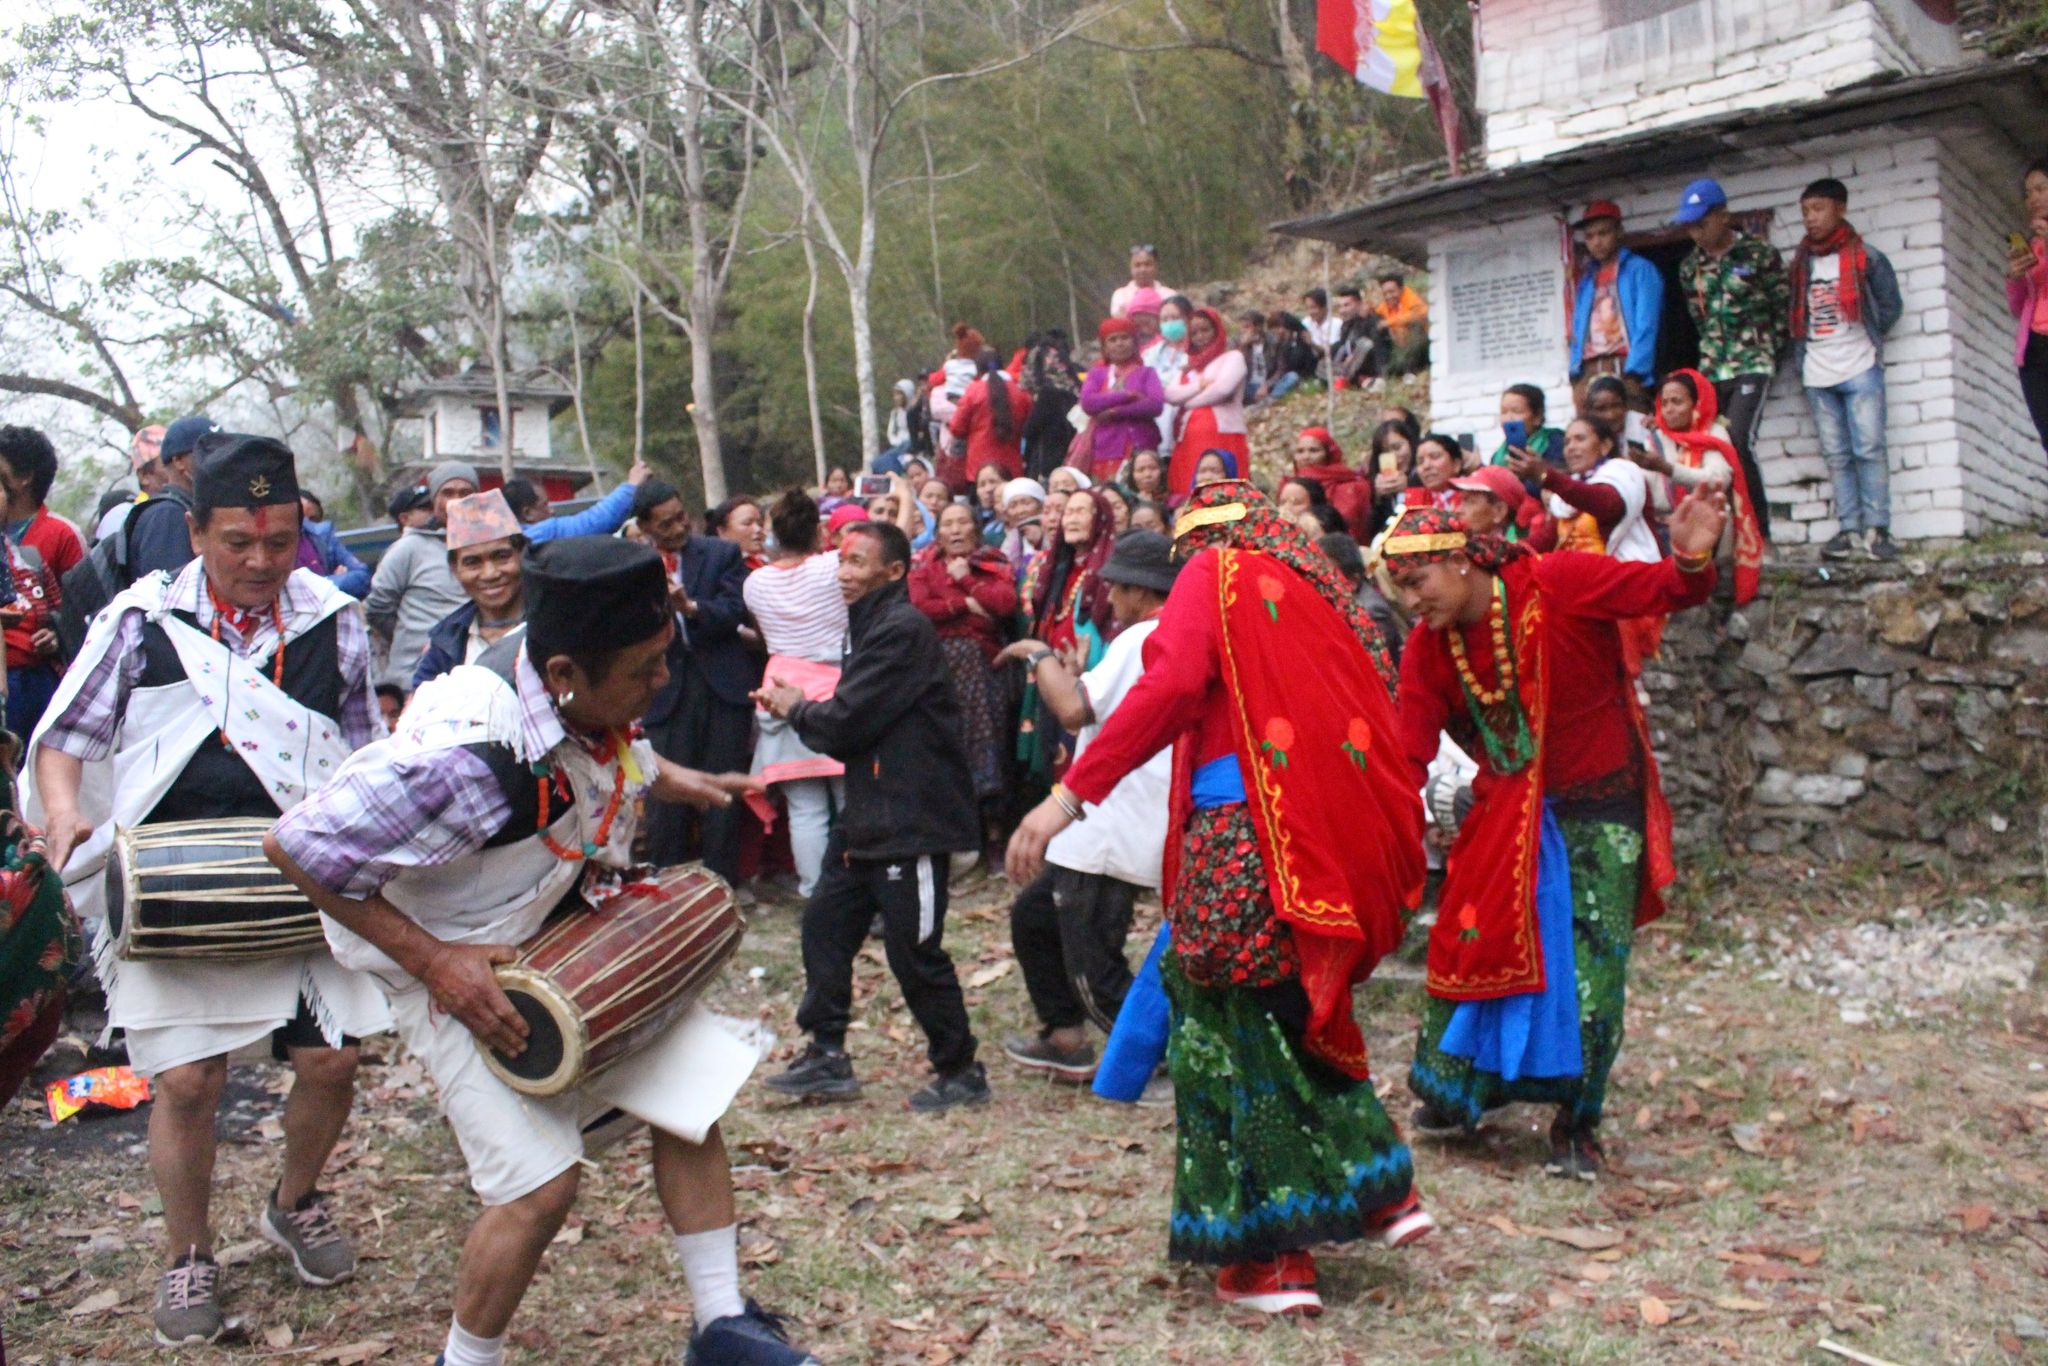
(1468, 443)
(1517, 432)
(873, 485)
(1389, 463)
(1635, 429)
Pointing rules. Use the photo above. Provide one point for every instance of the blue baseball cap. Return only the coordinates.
(1699, 198)
(181, 436)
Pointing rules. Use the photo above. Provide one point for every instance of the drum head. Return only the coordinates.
(552, 1060)
(542, 1057)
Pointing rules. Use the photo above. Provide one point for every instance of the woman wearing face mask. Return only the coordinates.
(1167, 354)
(1123, 400)
(1210, 395)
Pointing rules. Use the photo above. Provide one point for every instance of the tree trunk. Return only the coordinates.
(810, 346)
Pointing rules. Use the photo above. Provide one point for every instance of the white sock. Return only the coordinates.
(467, 1349)
(711, 1264)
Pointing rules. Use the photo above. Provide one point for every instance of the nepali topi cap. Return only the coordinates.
(591, 594)
(230, 470)
(479, 518)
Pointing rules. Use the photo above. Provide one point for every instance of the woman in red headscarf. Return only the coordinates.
(1123, 400)
(1294, 854)
(1703, 456)
(1567, 846)
(1317, 456)
(1210, 396)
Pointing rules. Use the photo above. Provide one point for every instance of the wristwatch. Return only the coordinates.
(1034, 659)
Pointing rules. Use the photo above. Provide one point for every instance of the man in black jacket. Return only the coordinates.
(910, 803)
(701, 718)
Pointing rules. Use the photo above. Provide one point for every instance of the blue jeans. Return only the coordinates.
(1850, 418)
(890, 461)
(1280, 386)
(29, 690)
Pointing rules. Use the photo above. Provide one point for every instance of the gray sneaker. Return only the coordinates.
(188, 1302)
(310, 1237)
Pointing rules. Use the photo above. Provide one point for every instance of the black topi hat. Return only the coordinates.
(234, 471)
(591, 594)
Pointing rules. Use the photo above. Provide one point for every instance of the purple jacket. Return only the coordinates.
(1121, 420)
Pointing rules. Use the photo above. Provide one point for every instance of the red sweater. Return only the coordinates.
(944, 598)
(54, 540)
(1181, 688)
(975, 420)
(1590, 734)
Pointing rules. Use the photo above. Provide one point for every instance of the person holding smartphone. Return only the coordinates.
(2026, 293)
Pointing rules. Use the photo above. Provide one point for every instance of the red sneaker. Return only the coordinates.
(1401, 1223)
(1285, 1286)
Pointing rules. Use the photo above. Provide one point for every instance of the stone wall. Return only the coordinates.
(1874, 714)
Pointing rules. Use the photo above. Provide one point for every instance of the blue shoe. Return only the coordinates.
(755, 1338)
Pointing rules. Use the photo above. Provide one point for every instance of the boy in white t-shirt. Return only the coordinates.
(1068, 927)
(1845, 297)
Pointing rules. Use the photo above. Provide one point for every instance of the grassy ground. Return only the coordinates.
(1779, 1177)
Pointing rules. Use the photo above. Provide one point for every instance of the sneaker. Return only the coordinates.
(820, 1072)
(1588, 1157)
(309, 1236)
(1041, 1054)
(1840, 546)
(1401, 1223)
(1882, 547)
(753, 1338)
(1561, 1162)
(1431, 1122)
(1286, 1285)
(188, 1302)
(968, 1086)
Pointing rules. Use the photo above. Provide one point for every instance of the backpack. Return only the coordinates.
(98, 579)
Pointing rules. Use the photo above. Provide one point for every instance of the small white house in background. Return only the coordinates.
(462, 422)
(1629, 100)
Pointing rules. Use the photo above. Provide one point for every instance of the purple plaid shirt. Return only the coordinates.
(87, 728)
(413, 809)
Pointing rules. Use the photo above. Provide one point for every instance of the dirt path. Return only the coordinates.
(1789, 1166)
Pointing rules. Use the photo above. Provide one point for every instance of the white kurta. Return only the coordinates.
(182, 1011)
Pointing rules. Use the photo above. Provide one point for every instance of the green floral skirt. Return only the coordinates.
(1276, 1150)
(1607, 873)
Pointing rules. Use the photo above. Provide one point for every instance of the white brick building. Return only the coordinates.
(1630, 99)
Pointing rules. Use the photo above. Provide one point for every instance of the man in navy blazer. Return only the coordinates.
(702, 718)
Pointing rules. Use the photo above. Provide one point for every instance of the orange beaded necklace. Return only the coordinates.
(1503, 661)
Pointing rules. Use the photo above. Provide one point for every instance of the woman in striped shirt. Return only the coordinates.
(796, 604)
